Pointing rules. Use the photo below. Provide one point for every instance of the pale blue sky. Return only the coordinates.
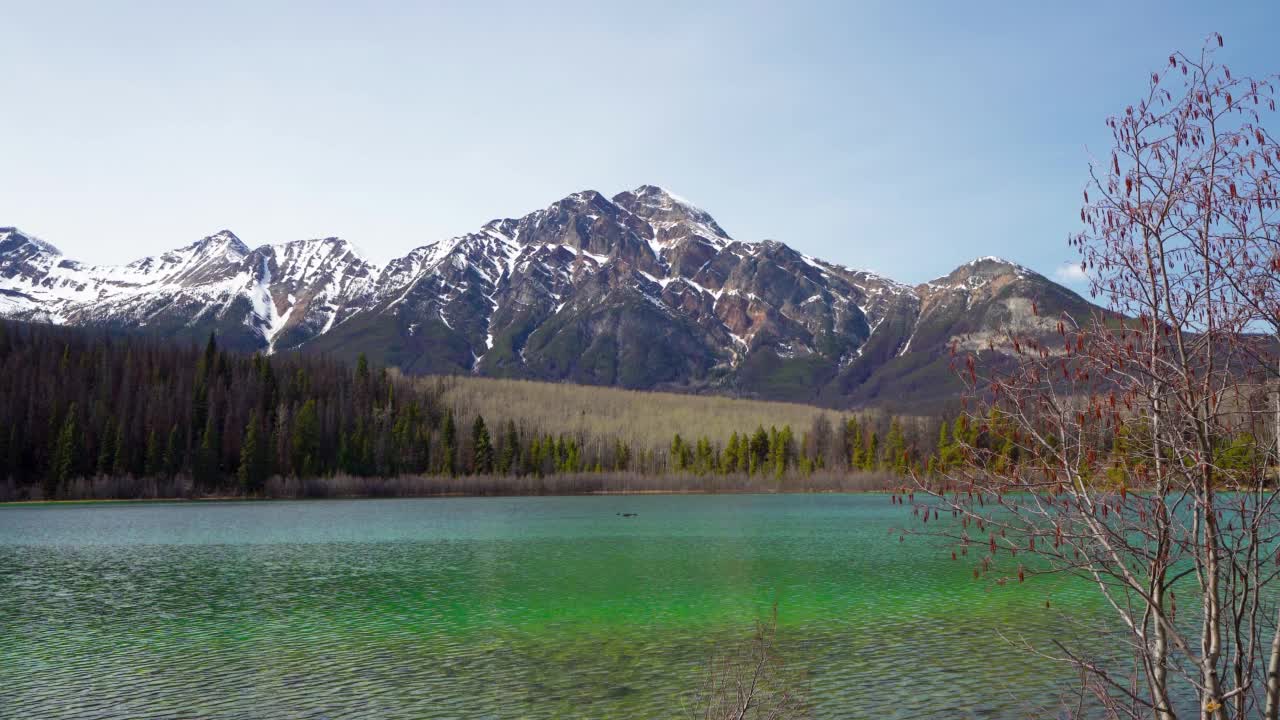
(906, 137)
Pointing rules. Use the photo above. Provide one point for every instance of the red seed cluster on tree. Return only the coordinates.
(1141, 443)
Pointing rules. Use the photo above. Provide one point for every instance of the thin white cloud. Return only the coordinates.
(1071, 273)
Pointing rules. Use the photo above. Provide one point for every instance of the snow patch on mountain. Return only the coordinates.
(585, 258)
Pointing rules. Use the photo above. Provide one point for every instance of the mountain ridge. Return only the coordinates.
(641, 290)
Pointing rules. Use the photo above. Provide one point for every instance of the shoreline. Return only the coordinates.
(445, 496)
(182, 488)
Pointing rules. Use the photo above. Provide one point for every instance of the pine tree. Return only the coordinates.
(402, 441)
(66, 455)
(207, 470)
(564, 454)
(121, 463)
(305, 443)
(555, 451)
(345, 462)
(703, 460)
(107, 448)
(621, 455)
(481, 448)
(870, 460)
(552, 450)
(677, 453)
(362, 370)
(819, 440)
(1008, 456)
(857, 449)
(253, 458)
(300, 385)
(533, 458)
(173, 453)
(944, 450)
(573, 458)
(896, 449)
(805, 466)
(783, 451)
(154, 466)
(449, 444)
(135, 393)
(204, 368)
(771, 453)
(759, 450)
(729, 460)
(267, 376)
(509, 460)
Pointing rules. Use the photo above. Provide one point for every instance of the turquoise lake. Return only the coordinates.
(540, 607)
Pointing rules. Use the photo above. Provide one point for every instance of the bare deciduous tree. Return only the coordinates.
(1133, 443)
(750, 682)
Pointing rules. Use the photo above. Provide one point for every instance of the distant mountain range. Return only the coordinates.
(643, 290)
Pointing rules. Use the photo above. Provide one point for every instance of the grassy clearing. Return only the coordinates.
(642, 419)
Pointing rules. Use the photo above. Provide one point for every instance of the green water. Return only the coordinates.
(520, 607)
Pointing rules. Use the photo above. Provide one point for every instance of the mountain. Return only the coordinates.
(642, 290)
(274, 296)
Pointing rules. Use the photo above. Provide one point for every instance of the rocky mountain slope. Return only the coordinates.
(642, 290)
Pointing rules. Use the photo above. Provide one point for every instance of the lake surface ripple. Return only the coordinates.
(503, 608)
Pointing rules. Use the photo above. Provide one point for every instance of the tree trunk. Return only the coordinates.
(1272, 709)
(1160, 657)
(1212, 706)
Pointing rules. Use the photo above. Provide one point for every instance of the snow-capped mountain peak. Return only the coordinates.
(223, 244)
(11, 239)
(672, 218)
(644, 290)
(296, 289)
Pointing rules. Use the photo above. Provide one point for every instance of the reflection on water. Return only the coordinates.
(521, 607)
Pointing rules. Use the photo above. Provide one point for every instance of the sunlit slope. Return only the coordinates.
(648, 419)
